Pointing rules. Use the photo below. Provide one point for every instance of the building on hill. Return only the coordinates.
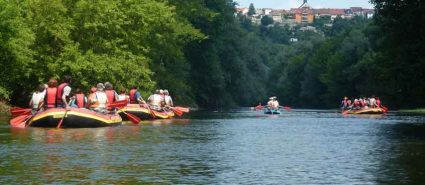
(278, 16)
(304, 14)
(333, 13)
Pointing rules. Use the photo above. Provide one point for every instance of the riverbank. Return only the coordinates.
(417, 111)
(4, 108)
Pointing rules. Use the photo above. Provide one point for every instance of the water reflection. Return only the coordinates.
(298, 147)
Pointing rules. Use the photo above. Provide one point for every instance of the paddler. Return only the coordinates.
(79, 100)
(63, 92)
(50, 94)
(101, 101)
(123, 96)
(344, 103)
(37, 99)
(135, 96)
(110, 92)
(156, 100)
(92, 98)
(273, 103)
(167, 99)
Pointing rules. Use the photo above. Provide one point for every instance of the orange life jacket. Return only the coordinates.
(59, 93)
(50, 98)
(110, 94)
(132, 95)
(79, 100)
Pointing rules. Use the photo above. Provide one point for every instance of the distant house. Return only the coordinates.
(242, 11)
(278, 15)
(359, 11)
(267, 11)
(302, 15)
(333, 13)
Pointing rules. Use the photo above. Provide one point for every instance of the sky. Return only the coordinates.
(287, 4)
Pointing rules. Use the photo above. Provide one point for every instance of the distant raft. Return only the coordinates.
(75, 118)
(366, 111)
(144, 113)
(271, 111)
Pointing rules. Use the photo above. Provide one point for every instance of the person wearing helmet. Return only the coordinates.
(168, 101)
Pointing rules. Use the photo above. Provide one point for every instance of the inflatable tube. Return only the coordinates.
(144, 113)
(75, 118)
(367, 111)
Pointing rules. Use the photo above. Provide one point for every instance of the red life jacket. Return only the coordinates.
(110, 94)
(132, 95)
(378, 102)
(356, 103)
(59, 93)
(79, 100)
(362, 103)
(349, 102)
(50, 98)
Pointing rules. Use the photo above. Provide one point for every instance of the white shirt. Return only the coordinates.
(168, 100)
(102, 99)
(66, 91)
(36, 98)
(122, 97)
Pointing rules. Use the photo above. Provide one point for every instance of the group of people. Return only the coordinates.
(360, 103)
(52, 95)
(273, 103)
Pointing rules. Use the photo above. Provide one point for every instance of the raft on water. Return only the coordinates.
(366, 111)
(75, 118)
(144, 113)
(271, 111)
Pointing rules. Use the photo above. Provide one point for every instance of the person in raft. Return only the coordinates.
(63, 92)
(92, 98)
(345, 103)
(79, 100)
(50, 94)
(135, 96)
(37, 99)
(99, 101)
(168, 101)
(122, 96)
(110, 92)
(273, 103)
(156, 100)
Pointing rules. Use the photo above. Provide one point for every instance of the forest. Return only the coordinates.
(208, 56)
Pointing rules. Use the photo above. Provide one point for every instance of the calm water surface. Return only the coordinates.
(239, 147)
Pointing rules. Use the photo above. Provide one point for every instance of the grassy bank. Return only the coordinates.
(418, 111)
(4, 107)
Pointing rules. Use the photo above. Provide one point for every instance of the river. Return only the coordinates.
(235, 147)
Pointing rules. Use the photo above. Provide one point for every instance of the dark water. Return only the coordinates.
(241, 147)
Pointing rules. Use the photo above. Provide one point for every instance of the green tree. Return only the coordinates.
(251, 10)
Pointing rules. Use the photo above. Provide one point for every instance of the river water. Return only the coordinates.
(237, 147)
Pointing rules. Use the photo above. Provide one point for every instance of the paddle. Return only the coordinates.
(118, 104)
(133, 118)
(384, 108)
(287, 108)
(176, 111)
(61, 121)
(19, 122)
(259, 107)
(345, 112)
(18, 112)
(150, 111)
(182, 109)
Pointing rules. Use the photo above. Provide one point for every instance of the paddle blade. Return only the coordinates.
(20, 112)
(133, 118)
(345, 112)
(385, 109)
(287, 108)
(177, 112)
(259, 107)
(182, 109)
(20, 121)
(118, 104)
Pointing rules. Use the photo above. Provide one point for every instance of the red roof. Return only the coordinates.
(329, 11)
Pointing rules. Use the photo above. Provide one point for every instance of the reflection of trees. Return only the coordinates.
(401, 152)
